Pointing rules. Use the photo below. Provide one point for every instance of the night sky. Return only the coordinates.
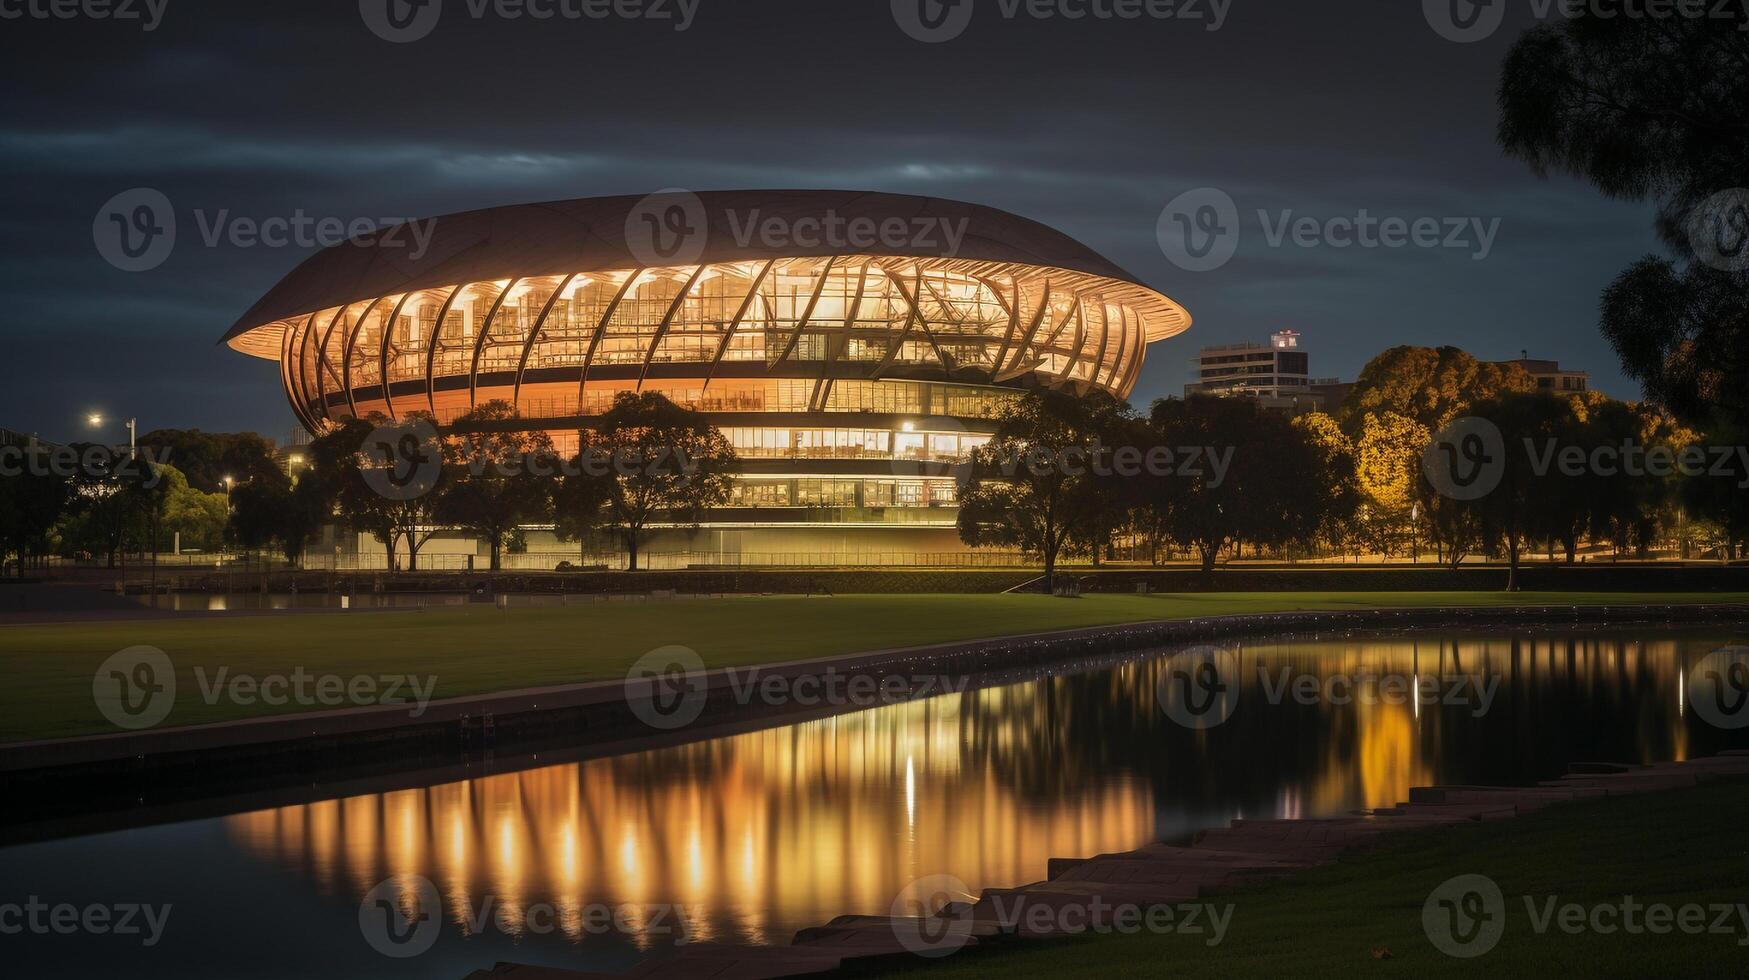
(268, 108)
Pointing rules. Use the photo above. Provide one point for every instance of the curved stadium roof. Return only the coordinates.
(590, 234)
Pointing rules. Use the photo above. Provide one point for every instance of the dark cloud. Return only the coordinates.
(273, 107)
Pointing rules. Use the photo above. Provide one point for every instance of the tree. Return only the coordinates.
(649, 461)
(496, 480)
(1388, 475)
(1516, 511)
(1034, 485)
(31, 502)
(1263, 481)
(1340, 461)
(185, 513)
(205, 459)
(1431, 386)
(1651, 108)
(106, 500)
(391, 481)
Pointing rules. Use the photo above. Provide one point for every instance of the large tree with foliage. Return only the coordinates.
(647, 462)
(1035, 487)
(1431, 385)
(205, 459)
(1652, 109)
(1274, 486)
(32, 500)
(500, 476)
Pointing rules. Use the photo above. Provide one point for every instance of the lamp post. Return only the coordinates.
(96, 421)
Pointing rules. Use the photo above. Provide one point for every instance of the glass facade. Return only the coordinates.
(847, 384)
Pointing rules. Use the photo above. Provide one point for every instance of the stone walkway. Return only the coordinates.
(1245, 852)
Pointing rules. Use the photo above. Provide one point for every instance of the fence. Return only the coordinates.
(674, 561)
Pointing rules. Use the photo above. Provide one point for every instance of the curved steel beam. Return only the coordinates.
(431, 348)
(301, 379)
(346, 355)
(486, 338)
(600, 329)
(383, 351)
(662, 329)
(807, 314)
(917, 318)
(534, 337)
(1038, 319)
(1123, 346)
(735, 324)
(322, 360)
(287, 340)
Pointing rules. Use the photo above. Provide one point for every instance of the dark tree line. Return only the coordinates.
(646, 463)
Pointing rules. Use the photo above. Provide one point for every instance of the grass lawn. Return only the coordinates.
(48, 669)
(1674, 848)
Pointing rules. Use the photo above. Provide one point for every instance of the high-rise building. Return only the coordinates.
(1277, 374)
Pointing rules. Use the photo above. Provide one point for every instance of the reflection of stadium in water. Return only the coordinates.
(766, 832)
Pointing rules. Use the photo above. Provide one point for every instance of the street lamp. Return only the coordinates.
(96, 421)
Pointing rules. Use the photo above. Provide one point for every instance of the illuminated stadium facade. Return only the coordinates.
(852, 346)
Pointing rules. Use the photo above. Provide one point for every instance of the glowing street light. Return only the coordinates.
(95, 420)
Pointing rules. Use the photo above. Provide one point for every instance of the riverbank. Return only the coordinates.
(1576, 867)
(479, 650)
(1681, 849)
(173, 772)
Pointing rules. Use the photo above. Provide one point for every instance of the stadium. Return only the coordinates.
(852, 346)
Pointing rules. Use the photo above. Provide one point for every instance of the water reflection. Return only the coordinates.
(763, 833)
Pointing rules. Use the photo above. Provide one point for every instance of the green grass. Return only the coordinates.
(48, 669)
(1675, 848)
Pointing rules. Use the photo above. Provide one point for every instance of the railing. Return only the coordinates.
(675, 560)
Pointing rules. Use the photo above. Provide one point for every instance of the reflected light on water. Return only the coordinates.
(768, 831)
